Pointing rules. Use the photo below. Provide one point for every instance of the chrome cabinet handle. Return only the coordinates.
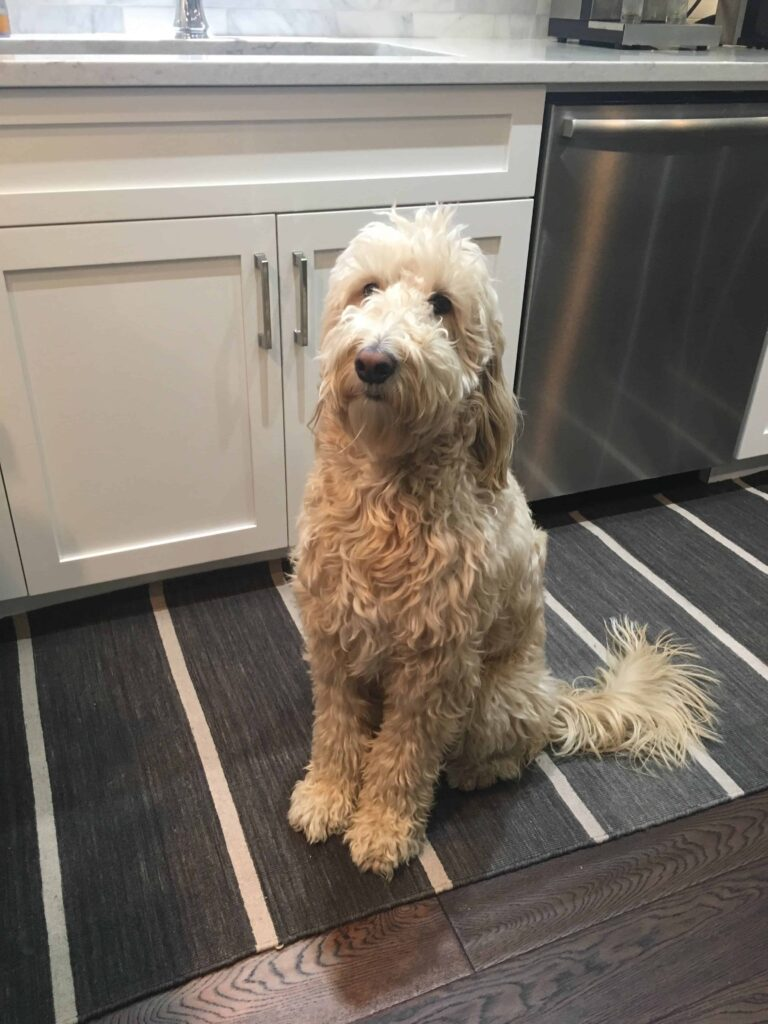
(665, 125)
(262, 268)
(301, 336)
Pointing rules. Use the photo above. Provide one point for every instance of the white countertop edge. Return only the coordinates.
(459, 62)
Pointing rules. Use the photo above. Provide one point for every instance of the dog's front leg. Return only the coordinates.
(323, 801)
(401, 768)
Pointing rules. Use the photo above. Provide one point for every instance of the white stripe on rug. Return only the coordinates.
(62, 983)
(698, 753)
(247, 877)
(575, 626)
(571, 799)
(748, 487)
(565, 790)
(433, 867)
(720, 775)
(709, 624)
(714, 534)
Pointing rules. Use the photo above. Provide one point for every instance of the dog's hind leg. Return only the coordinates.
(508, 724)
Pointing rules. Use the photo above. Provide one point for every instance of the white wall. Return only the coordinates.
(515, 19)
(409, 18)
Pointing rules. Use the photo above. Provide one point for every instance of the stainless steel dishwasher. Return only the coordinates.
(647, 301)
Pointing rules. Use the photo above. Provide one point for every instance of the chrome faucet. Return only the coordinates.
(190, 20)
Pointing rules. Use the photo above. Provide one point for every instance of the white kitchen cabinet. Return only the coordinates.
(754, 432)
(143, 426)
(142, 416)
(11, 576)
(501, 228)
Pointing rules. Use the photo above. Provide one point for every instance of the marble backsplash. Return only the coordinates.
(516, 19)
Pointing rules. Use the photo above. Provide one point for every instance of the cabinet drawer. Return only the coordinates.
(114, 154)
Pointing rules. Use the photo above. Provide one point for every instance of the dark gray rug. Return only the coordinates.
(149, 746)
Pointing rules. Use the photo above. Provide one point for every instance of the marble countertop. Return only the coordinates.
(377, 62)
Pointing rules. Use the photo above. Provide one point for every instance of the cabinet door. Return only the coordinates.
(143, 425)
(754, 432)
(502, 229)
(11, 577)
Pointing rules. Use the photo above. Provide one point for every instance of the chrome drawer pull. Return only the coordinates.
(301, 336)
(262, 268)
(665, 125)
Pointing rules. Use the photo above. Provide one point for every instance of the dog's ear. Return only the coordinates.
(317, 415)
(333, 307)
(496, 413)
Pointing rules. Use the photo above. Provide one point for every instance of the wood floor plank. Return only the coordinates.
(516, 912)
(634, 968)
(735, 1004)
(334, 978)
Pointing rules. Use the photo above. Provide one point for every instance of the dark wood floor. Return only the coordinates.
(666, 925)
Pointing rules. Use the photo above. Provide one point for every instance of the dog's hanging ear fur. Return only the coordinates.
(496, 414)
(335, 301)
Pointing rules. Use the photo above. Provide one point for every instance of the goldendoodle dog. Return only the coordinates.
(420, 574)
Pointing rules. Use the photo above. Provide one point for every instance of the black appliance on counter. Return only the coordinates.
(754, 27)
(654, 24)
(743, 21)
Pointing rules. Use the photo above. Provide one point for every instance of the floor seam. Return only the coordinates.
(611, 917)
(447, 916)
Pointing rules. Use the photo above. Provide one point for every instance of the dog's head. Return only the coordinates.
(411, 343)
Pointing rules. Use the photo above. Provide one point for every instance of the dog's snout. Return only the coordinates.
(373, 365)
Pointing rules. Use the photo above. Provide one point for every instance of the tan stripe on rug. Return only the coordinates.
(247, 877)
(62, 983)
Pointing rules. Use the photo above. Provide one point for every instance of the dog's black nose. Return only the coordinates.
(373, 365)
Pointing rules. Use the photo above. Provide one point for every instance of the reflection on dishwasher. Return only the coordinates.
(646, 306)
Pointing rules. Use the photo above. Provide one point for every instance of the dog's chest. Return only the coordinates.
(383, 576)
(387, 564)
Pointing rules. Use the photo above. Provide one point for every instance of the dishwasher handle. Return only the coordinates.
(661, 125)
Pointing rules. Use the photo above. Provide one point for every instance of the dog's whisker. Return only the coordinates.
(355, 438)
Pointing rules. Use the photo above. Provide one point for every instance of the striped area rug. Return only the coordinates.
(150, 740)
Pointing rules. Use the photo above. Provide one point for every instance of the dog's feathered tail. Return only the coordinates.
(649, 701)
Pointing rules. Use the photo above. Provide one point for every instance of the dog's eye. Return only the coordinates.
(369, 289)
(441, 304)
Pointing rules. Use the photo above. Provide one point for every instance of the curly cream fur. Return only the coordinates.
(646, 702)
(419, 572)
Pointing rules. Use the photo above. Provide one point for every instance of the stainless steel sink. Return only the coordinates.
(224, 46)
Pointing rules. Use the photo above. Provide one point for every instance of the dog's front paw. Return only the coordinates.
(380, 841)
(320, 807)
